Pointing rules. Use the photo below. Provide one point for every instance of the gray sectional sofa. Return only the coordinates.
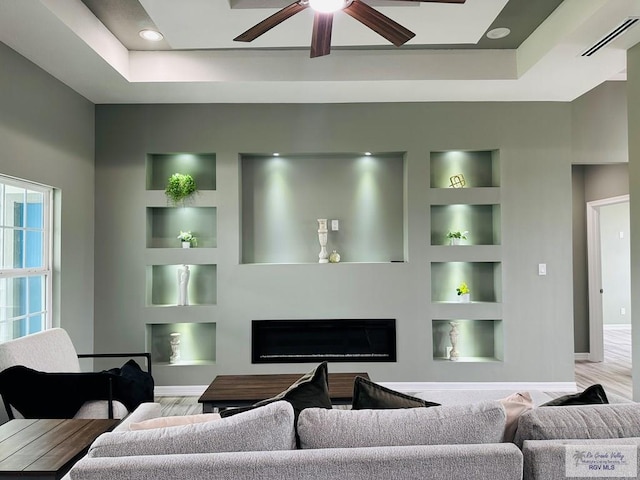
(447, 442)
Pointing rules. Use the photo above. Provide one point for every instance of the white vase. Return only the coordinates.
(454, 241)
(186, 244)
(183, 285)
(454, 355)
(323, 256)
(464, 298)
(174, 343)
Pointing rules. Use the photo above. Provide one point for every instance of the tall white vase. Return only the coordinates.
(323, 256)
(174, 343)
(454, 355)
(183, 285)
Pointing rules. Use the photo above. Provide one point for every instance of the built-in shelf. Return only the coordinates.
(482, 278)
(477, 341)
(480, 222)
(165, 223)
(201, 166)
(197, 343)
(479, 168)
(163, 290)
(282, 198)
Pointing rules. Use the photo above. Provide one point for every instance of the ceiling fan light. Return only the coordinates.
(327, 6)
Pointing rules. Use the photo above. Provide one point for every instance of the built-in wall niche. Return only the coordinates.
(165, 223)
(476, 340)
(163, 285)
(484, 280)
(201, 166)
(481, 222)
(479, 168)
(282, 198)
(178, 344)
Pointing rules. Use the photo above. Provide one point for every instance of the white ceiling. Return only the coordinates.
(204, 65)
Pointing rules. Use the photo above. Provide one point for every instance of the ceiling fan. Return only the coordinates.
(323, 21)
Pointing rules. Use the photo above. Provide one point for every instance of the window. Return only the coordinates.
(25, 258)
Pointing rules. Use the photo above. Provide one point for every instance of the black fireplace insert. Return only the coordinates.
(336, 340)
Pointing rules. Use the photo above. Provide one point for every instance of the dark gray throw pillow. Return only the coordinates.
(370, 395)
(310, 390)
(593, 395)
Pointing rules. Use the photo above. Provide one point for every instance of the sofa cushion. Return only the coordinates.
(515, 405)
(265, 428)
(174, 421)
(310, 390)
(619, 420)
(592, 395)
(367, 394)
(464, 424)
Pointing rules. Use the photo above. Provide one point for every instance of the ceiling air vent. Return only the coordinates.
(626, 24)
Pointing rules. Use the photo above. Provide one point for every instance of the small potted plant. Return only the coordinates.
(464, 294)
(455, 237)
(187, 239)
(180, 187)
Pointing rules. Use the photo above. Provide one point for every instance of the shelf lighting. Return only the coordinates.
(276, 154)
(368, 154)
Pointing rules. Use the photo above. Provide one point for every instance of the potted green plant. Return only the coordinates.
(187, 239)
(180, 187)
(464, 294)
(455, 237)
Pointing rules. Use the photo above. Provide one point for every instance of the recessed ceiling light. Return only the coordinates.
(497, 33)
(151, 35)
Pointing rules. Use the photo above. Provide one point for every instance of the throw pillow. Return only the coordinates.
(592, 395)
(481, 422)
(515, 405)
(370, 395)
(310, 390)
(267, 428)
(174, 421)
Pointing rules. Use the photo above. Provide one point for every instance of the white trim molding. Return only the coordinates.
(582, 356)
(179, 390)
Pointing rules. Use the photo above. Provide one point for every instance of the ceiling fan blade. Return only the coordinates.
(321, 38)
(270, 22)
(379, 23)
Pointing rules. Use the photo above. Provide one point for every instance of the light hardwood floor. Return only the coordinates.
(614, 374)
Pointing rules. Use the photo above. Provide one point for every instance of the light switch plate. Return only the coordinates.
(334, 225)
(542, 269)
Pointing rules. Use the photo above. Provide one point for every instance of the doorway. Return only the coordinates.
(608, 269)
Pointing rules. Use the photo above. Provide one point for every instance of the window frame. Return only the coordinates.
(46, 269)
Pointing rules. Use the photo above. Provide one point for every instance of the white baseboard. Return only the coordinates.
(581, 356)
(616, 326)
(179, 390)
(515, 386)
(197, 390)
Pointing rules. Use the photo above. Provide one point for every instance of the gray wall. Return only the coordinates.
(47, 136)
(616, 273)
(534, 141)
(599, 154)
(633, 90)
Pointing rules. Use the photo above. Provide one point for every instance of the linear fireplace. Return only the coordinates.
(337, 340)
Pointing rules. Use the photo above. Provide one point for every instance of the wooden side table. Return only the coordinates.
(242, 390)
(46, 448)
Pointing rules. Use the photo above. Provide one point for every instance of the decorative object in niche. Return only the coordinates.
(180, 187)
(464, 294)
(183, 285)
(323, 257)
(187, 239)
(453, 337)
(456, 237)
(174, 343)
(457, 181)
(334, 257)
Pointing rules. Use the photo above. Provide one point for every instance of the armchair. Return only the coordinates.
(52, 352)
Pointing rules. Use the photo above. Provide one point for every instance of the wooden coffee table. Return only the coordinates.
(46, 448)
(243, 390)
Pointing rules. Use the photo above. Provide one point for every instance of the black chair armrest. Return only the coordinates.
(119, 355)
